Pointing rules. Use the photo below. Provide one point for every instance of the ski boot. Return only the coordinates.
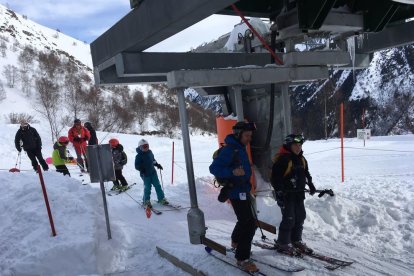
(288, 249)
(116, 188)
(302, 247)
(147, 204)
(163, 201)
(123, 188)
(248, 266)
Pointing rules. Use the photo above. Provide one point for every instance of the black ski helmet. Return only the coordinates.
(241, 127)
(293, 138)
(88, 124)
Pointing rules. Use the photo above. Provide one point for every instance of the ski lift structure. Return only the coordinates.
(252, 82)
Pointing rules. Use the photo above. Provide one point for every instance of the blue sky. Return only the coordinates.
(87, 19)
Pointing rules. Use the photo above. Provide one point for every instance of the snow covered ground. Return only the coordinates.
(370, 220)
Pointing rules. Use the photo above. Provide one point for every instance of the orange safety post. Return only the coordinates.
(172, 164)
(342, 142)
(224, 128)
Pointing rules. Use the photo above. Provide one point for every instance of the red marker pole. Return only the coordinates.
(49, 213)
(172, 165)
(342, 142)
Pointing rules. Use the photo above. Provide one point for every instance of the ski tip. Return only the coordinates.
(208, 249)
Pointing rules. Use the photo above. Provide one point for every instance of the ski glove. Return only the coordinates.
(312, 189)
(279, 197)
(159, 166)
(19, 149)
(77, 139)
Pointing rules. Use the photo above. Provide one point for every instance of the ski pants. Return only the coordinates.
(62, 169)
(293, 217)
(245, 228)
(37, 153)
(80, 154)
(149, 181)
(120, 178)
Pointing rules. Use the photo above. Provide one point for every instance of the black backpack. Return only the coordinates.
(225, 182)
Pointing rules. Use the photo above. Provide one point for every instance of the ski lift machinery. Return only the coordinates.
(252, 88)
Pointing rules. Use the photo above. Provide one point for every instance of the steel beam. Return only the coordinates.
(244, 76)
(395, 36)
(140, 64)
(151, 23)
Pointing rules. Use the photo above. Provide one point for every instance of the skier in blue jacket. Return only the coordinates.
(145, 163)
(232, 167)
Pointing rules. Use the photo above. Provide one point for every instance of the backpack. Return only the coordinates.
(289, 167)
(224, 182)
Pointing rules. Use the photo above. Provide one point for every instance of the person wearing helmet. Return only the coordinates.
(232, 163)
(290, 175)
(32, 144)
(79, 136)
(59, 155)
(120, 159)
(145, 163)
(93, 140)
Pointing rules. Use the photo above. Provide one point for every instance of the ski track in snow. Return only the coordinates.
(369, 221)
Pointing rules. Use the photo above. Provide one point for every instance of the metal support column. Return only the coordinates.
(195, 217)
(287, 128)
(239, 103)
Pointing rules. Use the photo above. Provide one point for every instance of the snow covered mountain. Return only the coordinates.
(38, 64)
(385, 90)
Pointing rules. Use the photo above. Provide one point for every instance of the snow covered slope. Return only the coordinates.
(370, 220)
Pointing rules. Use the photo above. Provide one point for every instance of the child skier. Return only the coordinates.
(145, 163)
(59, 156)
(120, 159)
(290, 174)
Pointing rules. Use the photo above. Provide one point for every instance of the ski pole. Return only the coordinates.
(19, 156)
(321, 192)
(257, 220)
(17, 160)
(162, 182)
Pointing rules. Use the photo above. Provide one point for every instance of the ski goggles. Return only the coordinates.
(299, 139)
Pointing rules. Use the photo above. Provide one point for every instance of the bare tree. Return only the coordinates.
(26, 58)
(2, 92)
(3, 49)
(73, 89)
(49, 107)
(139, 108)
(11, 74)
(26, 83)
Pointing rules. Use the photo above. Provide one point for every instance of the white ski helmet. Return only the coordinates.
(142, 142)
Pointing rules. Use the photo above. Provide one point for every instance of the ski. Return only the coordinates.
(117, 192)
(334, 263)
(274, 266)
(155, 211)
(210, 252)
(173, 206)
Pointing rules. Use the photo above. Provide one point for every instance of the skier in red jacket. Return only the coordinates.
(78, 136)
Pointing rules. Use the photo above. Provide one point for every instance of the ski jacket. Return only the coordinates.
(83, 134)
(59, 156)
(30, 138)
(290, 172)
(93, 140)
(119, 157)
(145, 162)
(225, 162)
